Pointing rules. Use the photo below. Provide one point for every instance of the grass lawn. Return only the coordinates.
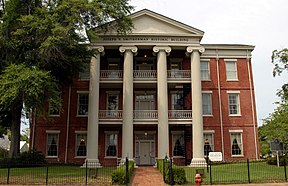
(238, 173)
(64, 175)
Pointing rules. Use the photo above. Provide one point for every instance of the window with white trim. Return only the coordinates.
(207, 103)
(81, 144)
(231, 70)
(111, 144)
(177, 100)
(83, 104)
(236, 143)
(84, 74)
(52, 144)
(234, 103)
(112, 104)
(178, 143)
(208, 143)
(205, 72)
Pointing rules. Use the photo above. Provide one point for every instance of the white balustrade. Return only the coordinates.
(180, 114)
(145, 74)
(110, 114)
(111, 74)
(178, 74)
(145, 114)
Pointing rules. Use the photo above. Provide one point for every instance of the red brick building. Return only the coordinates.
(156, 92)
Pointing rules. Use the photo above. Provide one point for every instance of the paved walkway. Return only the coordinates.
(147, 176)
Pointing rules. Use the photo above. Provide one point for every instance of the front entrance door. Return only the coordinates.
(145, 149)
(145, 153)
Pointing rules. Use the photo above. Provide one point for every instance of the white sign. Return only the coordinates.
(215, 156)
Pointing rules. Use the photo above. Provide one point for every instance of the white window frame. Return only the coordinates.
(52, 132)
(237, 93)
(107, 135)
(236, 132)
(177, 133)
(78, 133)
(172, 93)
(205, 72)
(85, 74)
(112, 93)
(78, 103)
(230, 61)
(211, 142)
(210, 96)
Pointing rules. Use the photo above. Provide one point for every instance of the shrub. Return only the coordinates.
(179, 176)
(3, 153)
(25, 159)
(273, 161)
(119, 175)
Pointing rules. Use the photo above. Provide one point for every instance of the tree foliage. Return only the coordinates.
(275, 126)
(43, 45)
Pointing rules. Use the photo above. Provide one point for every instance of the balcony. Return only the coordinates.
(146, 75)
(179, 115)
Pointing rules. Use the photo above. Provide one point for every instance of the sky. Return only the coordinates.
(262, 23)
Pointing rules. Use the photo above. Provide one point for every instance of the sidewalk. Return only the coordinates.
(147, 176)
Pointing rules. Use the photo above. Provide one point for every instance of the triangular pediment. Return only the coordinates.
(148, 22)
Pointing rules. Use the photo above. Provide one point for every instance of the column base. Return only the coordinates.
(91, 163)
(198, 162)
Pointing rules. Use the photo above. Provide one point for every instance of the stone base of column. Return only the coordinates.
(91, 163)
(198, 162)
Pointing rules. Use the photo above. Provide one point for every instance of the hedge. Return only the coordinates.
(178, 173)
(119, 175)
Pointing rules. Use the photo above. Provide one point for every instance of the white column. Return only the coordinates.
(162, 96)
(93, 109)
(127, 126)
(197, 128)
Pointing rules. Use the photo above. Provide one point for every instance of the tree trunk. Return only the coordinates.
(15, 130)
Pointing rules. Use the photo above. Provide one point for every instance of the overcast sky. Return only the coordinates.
(262, 23)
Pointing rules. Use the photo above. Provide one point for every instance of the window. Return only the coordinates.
(208, 143)
(178, 143)
(81, 143)
(231, 70)
(111, 144)
(236, 143)
(52, 144)
(177, 101)
(85, 73)
(205, 72)
(206, 104)
(112, 104)
(234, 103)
(83, 104)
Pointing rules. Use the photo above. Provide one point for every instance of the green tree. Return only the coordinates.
(43, 43)
(275, 126)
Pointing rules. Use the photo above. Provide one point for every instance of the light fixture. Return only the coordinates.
(145, 55)
(145, 133)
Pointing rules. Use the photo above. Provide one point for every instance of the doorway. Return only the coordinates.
(145, 149)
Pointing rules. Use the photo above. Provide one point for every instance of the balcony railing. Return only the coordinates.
(145, 114)
(145, 74)
(111, 74)
(110, 114)
(180, 114)
(179, 74)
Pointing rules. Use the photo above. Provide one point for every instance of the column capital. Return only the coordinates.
(191, 49)
(166, 49)
(98, 49)
(133, 49)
